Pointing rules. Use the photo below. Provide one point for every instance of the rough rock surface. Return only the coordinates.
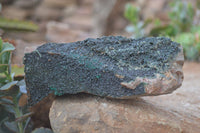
(97, 115)
(111, 66)
(173, 113)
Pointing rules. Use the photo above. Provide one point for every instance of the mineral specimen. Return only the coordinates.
(113, 66)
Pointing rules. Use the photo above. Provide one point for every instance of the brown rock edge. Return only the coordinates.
(86, 113)
(162, 85)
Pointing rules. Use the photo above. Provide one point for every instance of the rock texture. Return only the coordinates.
(111, 66)
(173, 113)
(93, 114)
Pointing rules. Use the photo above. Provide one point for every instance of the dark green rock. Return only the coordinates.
(99, 66)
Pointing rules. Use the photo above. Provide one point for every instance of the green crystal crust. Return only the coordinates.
(97, 66)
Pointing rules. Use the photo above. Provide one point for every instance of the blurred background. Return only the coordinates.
(73, 20)
(27, 24)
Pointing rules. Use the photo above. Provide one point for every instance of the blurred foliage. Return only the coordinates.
(137, 26)
(13, 118)
(16, 25)
(180, 27)
(5, 59)
(191, 45)
(181, 17)
(11, 114)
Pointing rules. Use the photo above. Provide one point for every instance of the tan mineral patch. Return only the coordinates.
(119, 76)
(161, 85)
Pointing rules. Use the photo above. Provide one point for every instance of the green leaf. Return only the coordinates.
(26, 124)
(10, 109)
(131, 13)
(12, 90)
(1, 44)
(3, 68)
(146, 22)
(11, 126)
(17, 25)
(198, 47)
(166, 30)
(3, 80)
(3, 115)
(185, 39)
(24, 117)
(157, 22)
(5, 55)
(6, 101)
(195, 29)
(190, 44)
(181, 15)
(0, 7)
(8, 86)
(7, 47)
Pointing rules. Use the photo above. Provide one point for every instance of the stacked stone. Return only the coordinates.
(110, 68)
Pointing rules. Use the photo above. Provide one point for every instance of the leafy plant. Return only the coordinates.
(11, 118)
(191, 45)
(137, 26)
(12, 115)
(5, 58)
(181, 17)
(180, 27)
